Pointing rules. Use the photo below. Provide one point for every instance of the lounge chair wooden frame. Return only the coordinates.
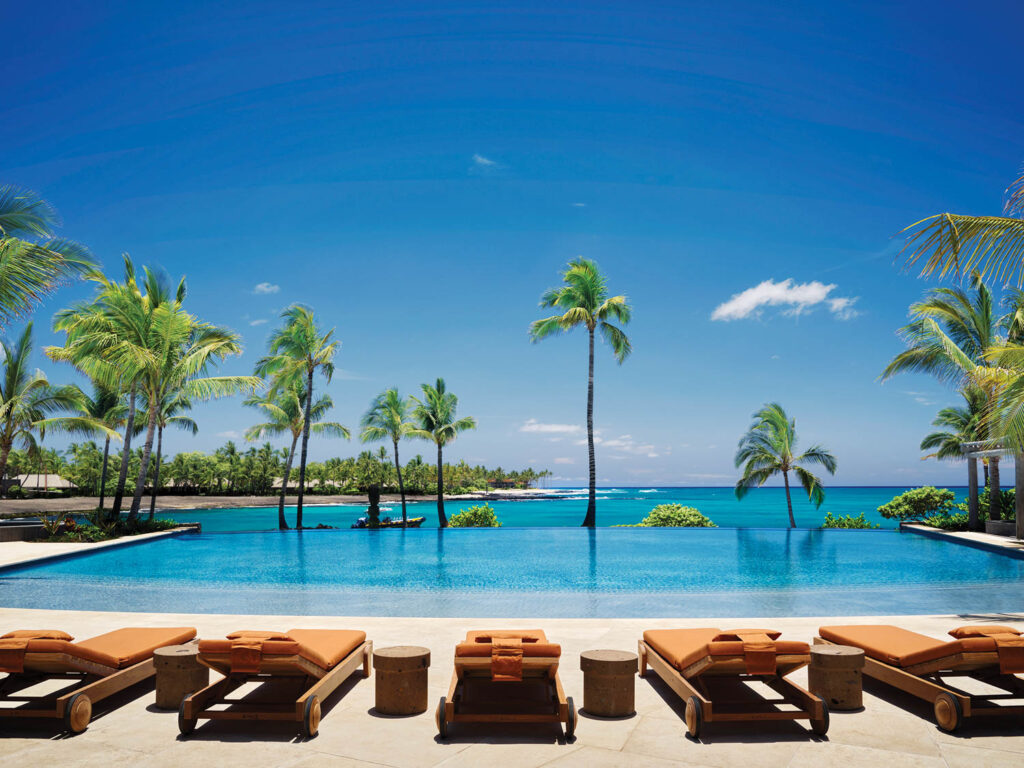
(305, 710)
(74, 707)
(545, 668)
(951, 705)
(701, 706)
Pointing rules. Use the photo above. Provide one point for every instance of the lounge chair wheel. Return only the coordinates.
(442, 724)
(77, 713)
(694, 716)
(948, 713)
(185, 724)
(311, 717)
(820, 726)
(570, 718)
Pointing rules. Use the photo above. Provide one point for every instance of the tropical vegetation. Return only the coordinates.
(583, 301)
(389, 418)
(478, 516)
(673, 516)
(918, 504)
(769, 448)
(860, 522)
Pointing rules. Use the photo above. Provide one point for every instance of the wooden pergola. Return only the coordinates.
(989, 449)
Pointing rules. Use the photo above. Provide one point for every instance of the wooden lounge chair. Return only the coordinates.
(690, 660)
(920, 666)
(324, 658)
(506, 676)
(99, 667)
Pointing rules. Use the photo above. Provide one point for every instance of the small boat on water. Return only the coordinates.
(387, 522)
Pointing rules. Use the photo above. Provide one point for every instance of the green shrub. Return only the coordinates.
(479, 516)
(15, 492)
(918, 504)
(1008, 508)
(674, 516)
(956, 521)
(848, 521)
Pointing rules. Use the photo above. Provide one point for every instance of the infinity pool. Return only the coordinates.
(531, 572)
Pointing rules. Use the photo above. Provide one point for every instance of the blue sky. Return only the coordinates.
(420, 176)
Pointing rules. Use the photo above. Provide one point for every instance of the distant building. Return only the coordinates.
(41, 482)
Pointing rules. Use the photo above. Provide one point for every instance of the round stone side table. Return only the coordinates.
(836, 675)
(178, 673)
(401, 679)
(609, 683)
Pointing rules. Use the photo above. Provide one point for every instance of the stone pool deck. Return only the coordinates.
(23, 552)
(892, 730)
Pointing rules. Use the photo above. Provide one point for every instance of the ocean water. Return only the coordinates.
(762, 508)
(530, 572)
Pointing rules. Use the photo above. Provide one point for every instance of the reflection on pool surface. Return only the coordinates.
(531, 572)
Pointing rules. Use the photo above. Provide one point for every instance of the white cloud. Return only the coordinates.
(261, 321)
(532, 425)
(579, 205)
(266, 288)
(797, 298)
(229, 435)
(564, 460)
(484, 162)
(626, 444)
(920, 398)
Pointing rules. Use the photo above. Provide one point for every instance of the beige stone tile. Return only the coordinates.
(594, 757)
(611, 733)
(962, 756)
(77, 752)
(827, 755)
(499, 755)
(898, 731)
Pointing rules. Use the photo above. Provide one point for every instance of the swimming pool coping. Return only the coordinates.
(81, 549)
(989, 542)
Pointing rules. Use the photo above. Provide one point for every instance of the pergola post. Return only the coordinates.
(1019, 488)
(972, 493)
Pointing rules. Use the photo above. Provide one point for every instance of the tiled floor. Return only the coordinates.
(892, 730)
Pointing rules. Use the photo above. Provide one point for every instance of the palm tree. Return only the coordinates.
(28, 402)
(106, 407)
(297, 350)
(33, 263)
(956, 243)
(286, 415)
(767, 449)
(962, 425)
(388, 417)
(953, 335)
(583, 301)
(169, 414)
(437, 422)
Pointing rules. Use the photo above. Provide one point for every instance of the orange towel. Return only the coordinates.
(246, 653)
(1009, 645)
(758, 648)
(506, 659)
(12, 655)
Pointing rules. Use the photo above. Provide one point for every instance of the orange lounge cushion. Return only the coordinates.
(38, 634)
(983, 630)
(534, 643)
(901, 647)
(1009, 644)
(323, 647)
(683, 647)
(120, 648)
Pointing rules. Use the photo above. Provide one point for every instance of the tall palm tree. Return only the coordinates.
(297, 350)
(169, 414)
(33, 263)
(768, 448)
(388, 418)
(437, 422)
(953, 243)
(286, 415)
(952, 335)
(963, 424)
(106, 406)
(584, 301)
(29, 404)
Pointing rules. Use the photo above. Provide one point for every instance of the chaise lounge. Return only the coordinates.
(98, 667)
(701, 665)
(323, 657)
(506, 676)
(920, 666)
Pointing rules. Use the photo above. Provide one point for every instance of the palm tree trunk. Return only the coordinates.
(789, 501)
(5, 451)
(147, 451)
(995, 498)
(156, 478)
(442, 521)
(305, 446)
(103, 473)
(126, 454)
(401, 487)
(590, 520)
(282, 524)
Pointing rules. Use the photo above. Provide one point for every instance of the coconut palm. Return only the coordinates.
(29, 405)
(437, 421)
(952, 335)
(388, 418)
(584, 301)
(952, 243)
(169, 414)
(963, 424)
(107, 408)
(297, 351)
(286, 415)
(768, 449)
(33, 263)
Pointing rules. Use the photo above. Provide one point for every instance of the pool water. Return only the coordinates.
(530, 572)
